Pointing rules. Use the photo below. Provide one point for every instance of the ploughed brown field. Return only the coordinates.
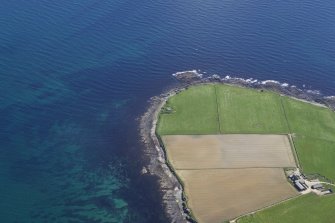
(226, 176)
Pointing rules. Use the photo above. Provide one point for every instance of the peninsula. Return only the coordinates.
(232, 150)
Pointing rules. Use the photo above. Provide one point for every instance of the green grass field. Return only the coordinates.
(200, 110)
(308, 209)
(306, 119)
(316, 155)
(249, 111)
(194, 112)
(314, 136)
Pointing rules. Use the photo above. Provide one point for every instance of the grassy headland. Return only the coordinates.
(221, 109)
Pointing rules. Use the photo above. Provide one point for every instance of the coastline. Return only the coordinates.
(170, 186)
(172, 189)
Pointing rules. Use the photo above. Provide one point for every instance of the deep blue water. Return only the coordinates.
(76, 74)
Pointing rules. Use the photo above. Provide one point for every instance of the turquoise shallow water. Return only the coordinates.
(76, 75)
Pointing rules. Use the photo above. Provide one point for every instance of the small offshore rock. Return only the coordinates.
(144, 171)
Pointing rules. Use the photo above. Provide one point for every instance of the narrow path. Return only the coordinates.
(327, 183)
(229, 168)
(285, 115)
(290, 133)
(217, 110)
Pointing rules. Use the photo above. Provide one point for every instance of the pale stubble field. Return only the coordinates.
(226, 176)
(215, 195)
(229, 151)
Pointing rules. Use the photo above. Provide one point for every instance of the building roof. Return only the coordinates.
(299, 185)
(317, 186)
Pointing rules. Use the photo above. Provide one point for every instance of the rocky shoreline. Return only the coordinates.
(169, 184)
(172, 190)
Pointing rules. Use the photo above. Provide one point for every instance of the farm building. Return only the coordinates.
(317, 186)
(299, 185)
(293, 177)
(328, 191)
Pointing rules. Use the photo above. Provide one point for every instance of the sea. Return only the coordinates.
(75, 76)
